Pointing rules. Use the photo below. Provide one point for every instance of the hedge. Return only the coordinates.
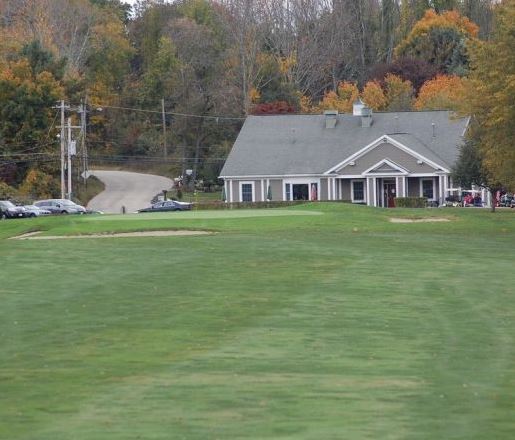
(411, 202)
(245, 205)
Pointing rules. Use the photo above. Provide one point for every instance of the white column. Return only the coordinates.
(226, 192)
(397, 186)
(230, 191)
(334, 188)
(375, 191)
(267, 186)
(404, 187)
(329, 186)
(370, 201)
(263, 190)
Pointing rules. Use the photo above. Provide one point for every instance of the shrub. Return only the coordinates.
(411, 202)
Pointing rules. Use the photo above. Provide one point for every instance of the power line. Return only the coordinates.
(186, 115)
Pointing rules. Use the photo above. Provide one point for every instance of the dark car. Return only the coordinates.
(10, 210)
(169, 205)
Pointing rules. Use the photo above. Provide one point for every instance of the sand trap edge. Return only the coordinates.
(176, 233)
(419, 220)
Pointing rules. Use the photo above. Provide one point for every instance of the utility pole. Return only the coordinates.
(165, 148)
(83, 141)
(63, 140)
(69, 164)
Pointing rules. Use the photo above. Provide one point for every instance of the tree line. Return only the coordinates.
(201, 66)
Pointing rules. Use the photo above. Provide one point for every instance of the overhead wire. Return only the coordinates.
(186, 115)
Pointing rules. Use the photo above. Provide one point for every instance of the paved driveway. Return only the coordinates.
(123, 188)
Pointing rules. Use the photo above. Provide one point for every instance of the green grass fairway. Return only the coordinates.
(322, 321)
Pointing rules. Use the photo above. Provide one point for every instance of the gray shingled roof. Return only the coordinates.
(300, 144)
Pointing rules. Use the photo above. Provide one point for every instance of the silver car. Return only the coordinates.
(60, 206)
(34, 211)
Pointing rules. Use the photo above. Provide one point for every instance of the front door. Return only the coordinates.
(389, 193)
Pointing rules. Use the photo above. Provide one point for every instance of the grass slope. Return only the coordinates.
(330, 323)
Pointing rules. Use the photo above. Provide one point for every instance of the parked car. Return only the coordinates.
(169, 205)
(507, 200)
(60, 206)
(34, 211)
(9, 210)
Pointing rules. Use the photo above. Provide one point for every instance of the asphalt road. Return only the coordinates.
(123, 188)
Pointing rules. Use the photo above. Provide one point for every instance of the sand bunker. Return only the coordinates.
(36, 236)
(419, 220)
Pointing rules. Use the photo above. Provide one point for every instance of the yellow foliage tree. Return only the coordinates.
(38, 184)
(491, 97)
(341, 100)
(306, 105)
(373, 96)
(399, 93)
(441, 93)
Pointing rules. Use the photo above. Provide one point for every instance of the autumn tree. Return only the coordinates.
(341, 99)
(28, 90)
(415, 70)
(399, 93)
(273, 108)
(441, 93)
(491, 97)
(441, 40)
(373, 96)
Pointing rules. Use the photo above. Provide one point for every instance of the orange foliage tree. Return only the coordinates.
(441, 40)
(441, 93)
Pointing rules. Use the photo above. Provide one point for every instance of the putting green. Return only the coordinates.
(221, 214)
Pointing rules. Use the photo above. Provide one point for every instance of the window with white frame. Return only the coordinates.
(246, 191)
(427, 188)
(358, 191)
(287, 191)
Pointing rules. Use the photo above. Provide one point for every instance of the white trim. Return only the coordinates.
(247, 182)
(388, 162)
(383, 139)
(432, 179)
(361, 176)
(272, 176)
(423, 175)
(365, 190)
